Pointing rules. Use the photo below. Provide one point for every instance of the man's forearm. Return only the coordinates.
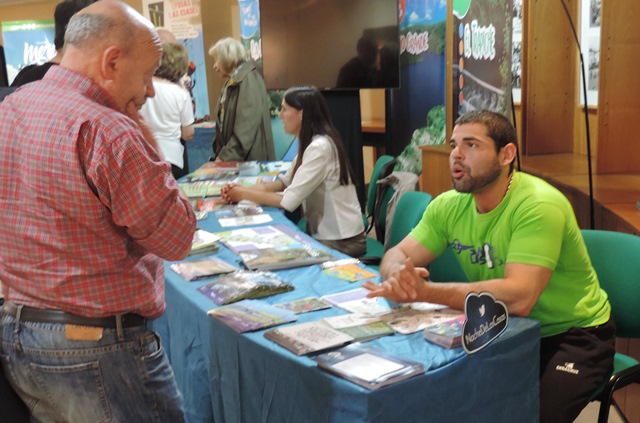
(392, 259)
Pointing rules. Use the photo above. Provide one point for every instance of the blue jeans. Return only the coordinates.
(64, 380)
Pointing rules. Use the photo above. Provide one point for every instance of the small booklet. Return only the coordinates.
(201, 189)
(447, 334)
(221, 174)
(201, 215)
(259, 237)
(202, 268)
(204, 242)
(406, 319)
(349, 272)
(306, 338)
(368, 366)
(244, 284)
(229, 216)
(250, 315)
(304, 305)
(356, 301)
(362, 328)
(207, 204)
(283, 257)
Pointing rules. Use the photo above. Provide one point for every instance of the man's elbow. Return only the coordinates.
(521, 308)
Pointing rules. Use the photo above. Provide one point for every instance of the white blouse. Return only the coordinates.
(166, 114)
(332, 210)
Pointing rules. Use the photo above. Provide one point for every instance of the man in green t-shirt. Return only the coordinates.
(516, 237)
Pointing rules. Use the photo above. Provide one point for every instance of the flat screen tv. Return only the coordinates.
(332, 44)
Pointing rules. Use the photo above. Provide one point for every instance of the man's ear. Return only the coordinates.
(508, 153)
(109, 62)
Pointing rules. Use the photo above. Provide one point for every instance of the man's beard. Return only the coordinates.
(473, 184)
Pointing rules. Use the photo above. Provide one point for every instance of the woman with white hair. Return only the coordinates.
(243, 122)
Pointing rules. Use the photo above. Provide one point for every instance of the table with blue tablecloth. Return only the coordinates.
(228, 377)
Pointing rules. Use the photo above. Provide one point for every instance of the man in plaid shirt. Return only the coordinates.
(89, 210)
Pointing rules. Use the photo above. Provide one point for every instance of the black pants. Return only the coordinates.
(572, 365)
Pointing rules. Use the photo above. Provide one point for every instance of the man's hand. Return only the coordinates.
(133, 112)
(406, 283)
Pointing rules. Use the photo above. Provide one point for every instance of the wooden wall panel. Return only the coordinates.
(436, 177)
(550, 80)
(619, 102)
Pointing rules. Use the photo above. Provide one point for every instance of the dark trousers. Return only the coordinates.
(572, 365)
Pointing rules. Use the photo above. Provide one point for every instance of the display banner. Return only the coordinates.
(182, 18)
(250, 29)
(252, 40)
(482, 75)
(27, 42)
(416, 113)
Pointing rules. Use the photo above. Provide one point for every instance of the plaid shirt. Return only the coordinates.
(87, 207)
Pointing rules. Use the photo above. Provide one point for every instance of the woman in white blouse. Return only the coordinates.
(321, 178)
(169, 114)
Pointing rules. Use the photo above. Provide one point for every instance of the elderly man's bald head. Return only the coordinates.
(116, 47)
(109, 22)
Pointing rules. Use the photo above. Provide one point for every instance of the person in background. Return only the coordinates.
(361, 70)
(89, 210)
(170, 114)
(63, 12)
(321, 178)
(517, 238)
(243, 122)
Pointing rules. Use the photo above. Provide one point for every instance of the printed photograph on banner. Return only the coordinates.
(482, 71)
(182, 18)
(590, 46)
(27, 43)
(418, 109)
(516, 51)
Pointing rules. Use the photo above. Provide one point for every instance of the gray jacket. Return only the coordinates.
(243, 122)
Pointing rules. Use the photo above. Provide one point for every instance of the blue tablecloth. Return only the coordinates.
(200, 149)
(227, 377)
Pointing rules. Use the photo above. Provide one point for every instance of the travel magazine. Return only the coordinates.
(244, 284)
(368, 366)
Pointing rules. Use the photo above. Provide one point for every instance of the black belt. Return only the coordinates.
(31, 314)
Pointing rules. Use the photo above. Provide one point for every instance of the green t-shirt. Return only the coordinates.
(534, 224)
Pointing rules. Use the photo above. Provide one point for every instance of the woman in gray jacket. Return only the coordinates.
(243, 123)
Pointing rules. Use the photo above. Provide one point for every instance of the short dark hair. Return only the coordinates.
(499, 129)
(63, 13)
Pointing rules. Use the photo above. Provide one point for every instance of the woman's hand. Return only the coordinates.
(231, 193)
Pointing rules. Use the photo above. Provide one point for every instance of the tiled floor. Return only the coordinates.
(590, 414)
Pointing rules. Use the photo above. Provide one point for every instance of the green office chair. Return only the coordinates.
(409, 211)
(616, 258)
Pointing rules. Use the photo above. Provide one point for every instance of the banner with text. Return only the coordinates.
(482, 75)
(416, 115)
(250, 29)
(26, 43)
(182, 18)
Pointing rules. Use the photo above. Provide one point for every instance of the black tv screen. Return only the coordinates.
(332, 44)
